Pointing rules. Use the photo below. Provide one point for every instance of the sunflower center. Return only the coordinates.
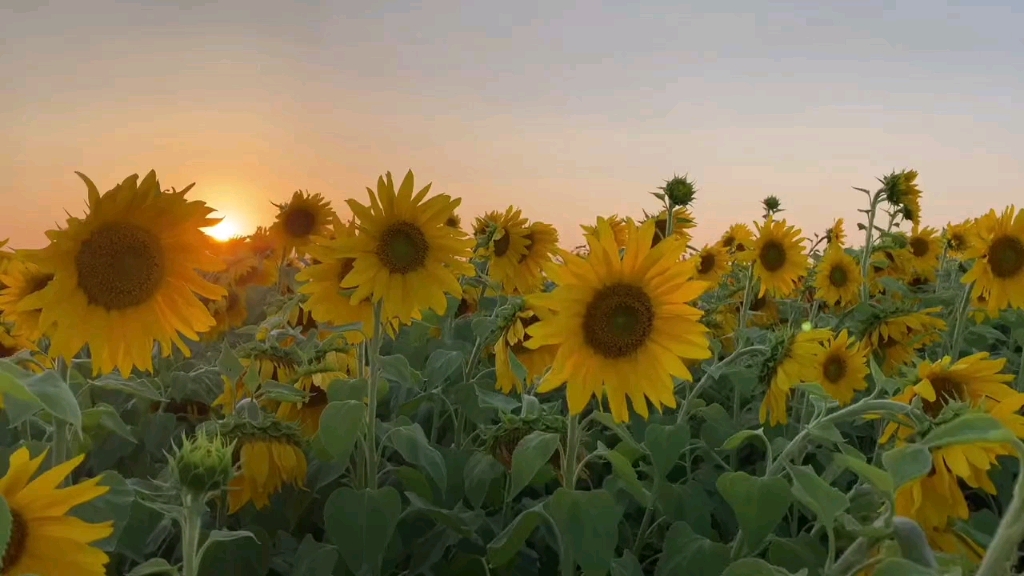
(957, 242)
(919, 246)
(16, 544)
(707, 264)
(834, 368)
(618, 320)
(838, 277)
(501, 245)
(403, 248)
(947, 390)
(1006, 257)
(317, 397)
(728, 241)
(299, 222)
(120, 266)
(529, 247)
(758, 303)
(772, 256)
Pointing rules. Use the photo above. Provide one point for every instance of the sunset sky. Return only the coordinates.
(568, 109)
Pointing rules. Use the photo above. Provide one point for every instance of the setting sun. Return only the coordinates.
(225, 230)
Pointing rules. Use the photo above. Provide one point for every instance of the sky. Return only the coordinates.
(567, 109)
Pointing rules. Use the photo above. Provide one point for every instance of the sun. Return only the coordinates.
(226, 229)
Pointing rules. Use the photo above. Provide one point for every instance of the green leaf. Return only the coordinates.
(453, 520)
(361, 524)
(901, 567)
(530, 455)
(666, 443)
(531, 408)
(907, 463)
(277, 392)
(340, 426)
(511, 540)
(759, 503)
(224, 536)
(624, 471)
(755, 567)
(588, 522)
(481, 471)
(56, 397)
(876, 476)
(881, 380)
(496, 400)
(971, 428)
(251, 379)
(718, 426)
(628, 565)
(684, 552)
(104, 416)
(229, 364)
(483, 326)
(314, 558)
(913, 542)
(6, 520)
(12, 383)
(804, 551)
(132, 386)
(343, 389)
(441, 365)
(412, 444)
(825, 501)
(396, 369)
(153, 567)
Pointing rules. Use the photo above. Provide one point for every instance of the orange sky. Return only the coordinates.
(568, 110)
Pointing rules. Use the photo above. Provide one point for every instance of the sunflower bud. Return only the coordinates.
(771, 205)
(203, 464)
(680, 191)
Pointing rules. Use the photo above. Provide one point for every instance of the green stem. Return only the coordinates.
(1002, 551)
(572, 442)
(710, 376)
(741, 328)
(191, 527)
(960, 326)
(641, 535)
(371, 409)
(866, 256)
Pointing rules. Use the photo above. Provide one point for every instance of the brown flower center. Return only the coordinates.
(834, 368)
(120, 266)
(919, 246)
(838, 276)
(947, 389)
(1006, 257)
(403, 248)
(502, 244)
(317, 397)
(707, 263)
(618, 320)
(772, 256)
(299, 222)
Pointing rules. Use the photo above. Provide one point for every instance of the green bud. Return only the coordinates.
(772, 204)
(680, 191)
(204, 464)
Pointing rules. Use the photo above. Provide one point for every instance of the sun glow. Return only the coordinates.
(224, 230)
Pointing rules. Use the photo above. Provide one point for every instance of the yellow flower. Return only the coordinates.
(683, 222)
(723, 323)
(711, 263)
(230, 312)
(322, 283)
(512, 342)
(302, 218)
(778, 258)
(508, 246)
(44, 539)
(888, 263)
(958, 237)
(270, 362)
(836, 235)
(404, 253)
(623, 324)
(923, 250)
(483, 223)
(125, 276)
(315, 382)
(542, 243)
(897, 337)
(738, 238)
(901, 191)
(617, 224)
(20, 280)
(838, 277)
(796, 363)
(267, 464)
(998, 250)
(764, 312)
(842, 368)
(454, 221)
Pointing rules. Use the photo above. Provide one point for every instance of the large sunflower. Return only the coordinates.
(896, 337)
(512, 342)
(794, 361)
(711, 263)
(542, 244)
(623, 324)
(44, 539)
(404, 253)
(738, 238)
(483, 223)
(924, 247)
(998, 250)
(125, 276)
(842, 368)
(302, 218)
(508, 246)
(838, 277)
(20, 280)
(778, 258)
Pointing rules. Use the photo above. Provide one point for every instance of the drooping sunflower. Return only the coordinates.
(269, 455)
(711, 263)
(793, 360)
(271, 362)
(958, 237)
(512, 342)
(20, 280)
(838, 278)
(404, 253)
(902, 193)
(998, 253)
(327, 300)
(302, 218)
(40, 524)
(842, 368)
(836, 234)
(507, 247)
(623, 324)
(924, 247)
(778, 258)
(125, 276)
(897, 335)
(314, 380)
(738, 238)
(542, 244)
(618, 226)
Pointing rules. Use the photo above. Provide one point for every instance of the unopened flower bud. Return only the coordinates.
(203, 464)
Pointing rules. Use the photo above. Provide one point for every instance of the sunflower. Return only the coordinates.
(482, 224)
(125, 276)
(302, 218)
(542, 244)
(271, 363)
(622, 323)
(895, 337)
(901, 192)
(20, 280)
(838, 278)
(507, 247)
(40, 524)
(711, 263)
(842, 368)
(454, 221)
(512, 342)
(998, 250)
(738, 238)
(404, 253)
(269, 455)
(618, 226)
(327, 300)
(794, 362)
(764, 311)
(683, 222)
(723, 323)
(888, 262)
(315, 381)
(778, 258)
(980, 311)
(470, 301)
(958, 237)
(836, 234)
(924, 247)
(229, 312)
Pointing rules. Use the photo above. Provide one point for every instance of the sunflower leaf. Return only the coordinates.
(480, 472)
(153, 567)
(340, 426)
(759, 503)
(56, 397)
(971, 428)
(625, 472)
(396, 369)
(229, 364)
(361, 524)
(666, 443)
(902, 567)
(412, 444)
(757, 567)
(907, 463)
(812, 491)
(588, 522)
(686, 552)
(511, 540)
(876, 476)
(530, 455)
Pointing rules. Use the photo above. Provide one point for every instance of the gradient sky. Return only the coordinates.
(568, 109)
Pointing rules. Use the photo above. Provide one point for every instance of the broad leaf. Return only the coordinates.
(412, 444)
(759, 503)
(361, 524)
(530, 455)
(825, 501)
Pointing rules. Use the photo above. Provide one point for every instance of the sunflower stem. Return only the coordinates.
(741, 329)
(712, 375)
(1002, 551)
(191, 527)
(572, 441)
(866, 256)
(371, 401)
(959, 327)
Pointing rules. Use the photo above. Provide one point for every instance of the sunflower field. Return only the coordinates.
(407, 393)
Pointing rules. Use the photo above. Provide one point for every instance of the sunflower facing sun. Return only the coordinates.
(712, 262)
(623, 324)
(125, 276)
(507, 247)
(21, 280)
(998, 271)
(302, 218)
(778, 258)
(838, 279)
(842, 368)
(738, 238)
